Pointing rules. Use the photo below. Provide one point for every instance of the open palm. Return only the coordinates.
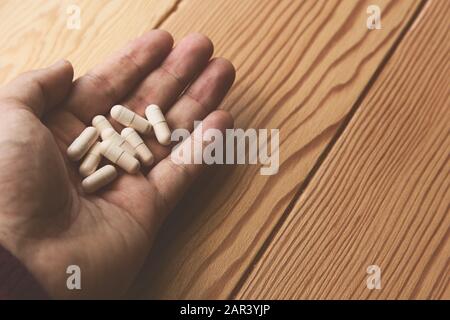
(45, 219)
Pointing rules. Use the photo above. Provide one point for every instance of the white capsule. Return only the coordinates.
(81, 145)
(101, 123)
(157, 120)
(117, 139)
(91, 160)
(99, 179)
(118, 156)
(130, 119)
(133, 138)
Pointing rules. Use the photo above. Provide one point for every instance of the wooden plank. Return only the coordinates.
(301, 66)
(382, 195)
(34, 33)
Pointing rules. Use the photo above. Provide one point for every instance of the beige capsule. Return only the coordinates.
(101, 123)
(130, 119)
(99, 179)
(117, 139)
(118, 156)
(91, 160)
(143, 152)
(81, 145)
(159, 123)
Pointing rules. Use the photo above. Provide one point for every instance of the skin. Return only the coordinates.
(46, 220)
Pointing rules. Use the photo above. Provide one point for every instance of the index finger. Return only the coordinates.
(108, 83)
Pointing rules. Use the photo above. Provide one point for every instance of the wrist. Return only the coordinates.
(16, 282)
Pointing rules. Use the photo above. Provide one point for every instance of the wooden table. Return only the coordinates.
(364, 119)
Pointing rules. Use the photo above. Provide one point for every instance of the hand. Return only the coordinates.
(46, 220)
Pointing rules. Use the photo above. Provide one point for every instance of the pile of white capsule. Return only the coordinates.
(127, 150)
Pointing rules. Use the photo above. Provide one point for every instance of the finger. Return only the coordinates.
(170, 179)
(40, 90)
(203, 96)
(164, 85)
(107, 84)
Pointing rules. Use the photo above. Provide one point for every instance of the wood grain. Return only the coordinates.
(382, 194)
(301, 66)
(34, 33)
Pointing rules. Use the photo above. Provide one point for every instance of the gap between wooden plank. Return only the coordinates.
(327, 149)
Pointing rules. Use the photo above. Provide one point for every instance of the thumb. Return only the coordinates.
(40, 90)
(171, 179)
